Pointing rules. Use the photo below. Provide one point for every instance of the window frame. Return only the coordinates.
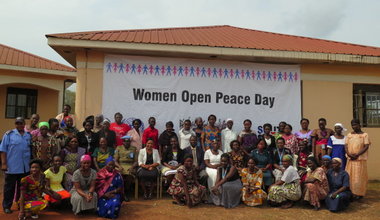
(361, 110)
(30, 93)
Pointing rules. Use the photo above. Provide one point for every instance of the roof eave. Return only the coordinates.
(39, 70)
(255, 55)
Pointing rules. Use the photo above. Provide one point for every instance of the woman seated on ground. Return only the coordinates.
(101, 153)
(316, 186)
(302, 156)
(237, 155)
(252, 178)
(326, 162)
(339, 182)
(83, 195)
(185, 188)
(288, 189)
(55, 177)
(212, 161)
(31, 200)
(109, 187)
(172, 158)
(149, 160)
(264, 162)
(126, 162)
(227, 189)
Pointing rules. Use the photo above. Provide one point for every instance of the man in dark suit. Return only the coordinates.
(198, 159)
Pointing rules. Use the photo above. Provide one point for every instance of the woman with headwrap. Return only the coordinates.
(335, 144)
(69, 130)
(326, 163)
(109, 187)
(108, 134)
(44, 147)
(287, 190)
(83, 195)
(339, 183)
(316, 186)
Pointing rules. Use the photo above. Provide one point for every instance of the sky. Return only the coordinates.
(24, 23)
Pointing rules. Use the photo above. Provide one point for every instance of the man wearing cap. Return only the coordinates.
(228, 135)
(15, 158)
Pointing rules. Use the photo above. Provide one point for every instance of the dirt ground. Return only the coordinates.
(367, 208)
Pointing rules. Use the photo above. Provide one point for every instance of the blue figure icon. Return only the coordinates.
(180, 71)
(269, 76)
(279, 76)
(290, 77)
(133, 68)
(121, 68)
(145, 69)
(226, 73)
(109, 67)
(192, 71)
(168, 71)
(237, 74)
(214, 73)
(157, 70)
(258, 75)
(247, 75)
(203, 72)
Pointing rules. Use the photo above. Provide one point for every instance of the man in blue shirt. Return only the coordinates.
(15, 157)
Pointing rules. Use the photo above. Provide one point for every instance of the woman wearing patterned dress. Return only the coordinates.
(44, 146)
(237, 155)
(210, 133)
(291, 141)
(252, 179)
(248, 138)
(320, 138)
(304, 135)
(263, 161)
(185, 188)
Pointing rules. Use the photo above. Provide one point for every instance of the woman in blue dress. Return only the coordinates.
(263, 160)
(336, 144)
(109, 186)
(339, 184)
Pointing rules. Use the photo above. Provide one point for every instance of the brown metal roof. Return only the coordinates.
(223, 36)
(15, 57)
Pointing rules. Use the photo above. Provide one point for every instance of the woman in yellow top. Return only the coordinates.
(55, 176)
(252, 178)
(101, 153)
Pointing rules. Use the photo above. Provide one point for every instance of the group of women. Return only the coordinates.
(95, 168)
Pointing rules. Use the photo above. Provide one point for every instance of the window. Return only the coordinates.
(21, 102)
(367, 104)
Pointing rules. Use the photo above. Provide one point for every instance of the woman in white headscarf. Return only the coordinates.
(335, 144)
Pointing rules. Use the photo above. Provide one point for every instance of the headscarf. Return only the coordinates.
(229, 119)
(340, 125)
(85, 157)
(288, 157)
(126, 137)
(104, 179)
(43, 123)
(326, 157)
(337, 159)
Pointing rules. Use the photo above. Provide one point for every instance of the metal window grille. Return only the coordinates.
(367, 107)
(20, 102)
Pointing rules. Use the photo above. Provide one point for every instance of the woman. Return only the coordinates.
(185, 188)
(227, 189)
(69, 130)
(119, 128)
(228, 135)
(33, 127)
(126, 162)
(71, 155)
(287, 190)
(101, 153)
(151, 133)
(320, 138)
(316, 186)
(339, 183)
(44, 146)
(302, 157)
(237, 155)
(108, 134)
(149, 160)
(326, 163)
(357, 144)
(268, 138)
(184, 134)
(55, 177)
(336, 144)
(278, 155)
(109, 187)
(83, 195)
(87, 138)
(212, 162)
(247, 138)
(135, 134)
(210, 133)
(56, 133)
(65, 113)
(31, 200)
(252, 178)
(98, 123)
(263, 161)
(291, 141)
(165, 137)
(172, 158)
(281, 127)
(304, 135)
(198, 130)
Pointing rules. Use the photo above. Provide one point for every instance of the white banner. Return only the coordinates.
(175, 89)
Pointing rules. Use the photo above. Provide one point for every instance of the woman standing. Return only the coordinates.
(198, 130)
(151, 133)
(165, 137)
(291, 141)
(65, 113)
(263, 161)
(268, 138)
(98, 123)
(302, 156)
(101, 153)
(336, 144)
(316, 186)
(172, 158)
(237, 155)
(228, 135)
(31, 200)
(184, 134)
(304, 135)
(108, 134)
(185, 188)
(320, 138)
(339, 182)
(88, 139)
(83, 195)
(119, 128)
(212, 161)
(135, 134)
(281, 127)
(227, 189)
(252, 178)
(109, 187)
(69, 130)
(210, 133)
(149, 160)
(357, 144)
(44, 146)
(287, 190)
(248, 138)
